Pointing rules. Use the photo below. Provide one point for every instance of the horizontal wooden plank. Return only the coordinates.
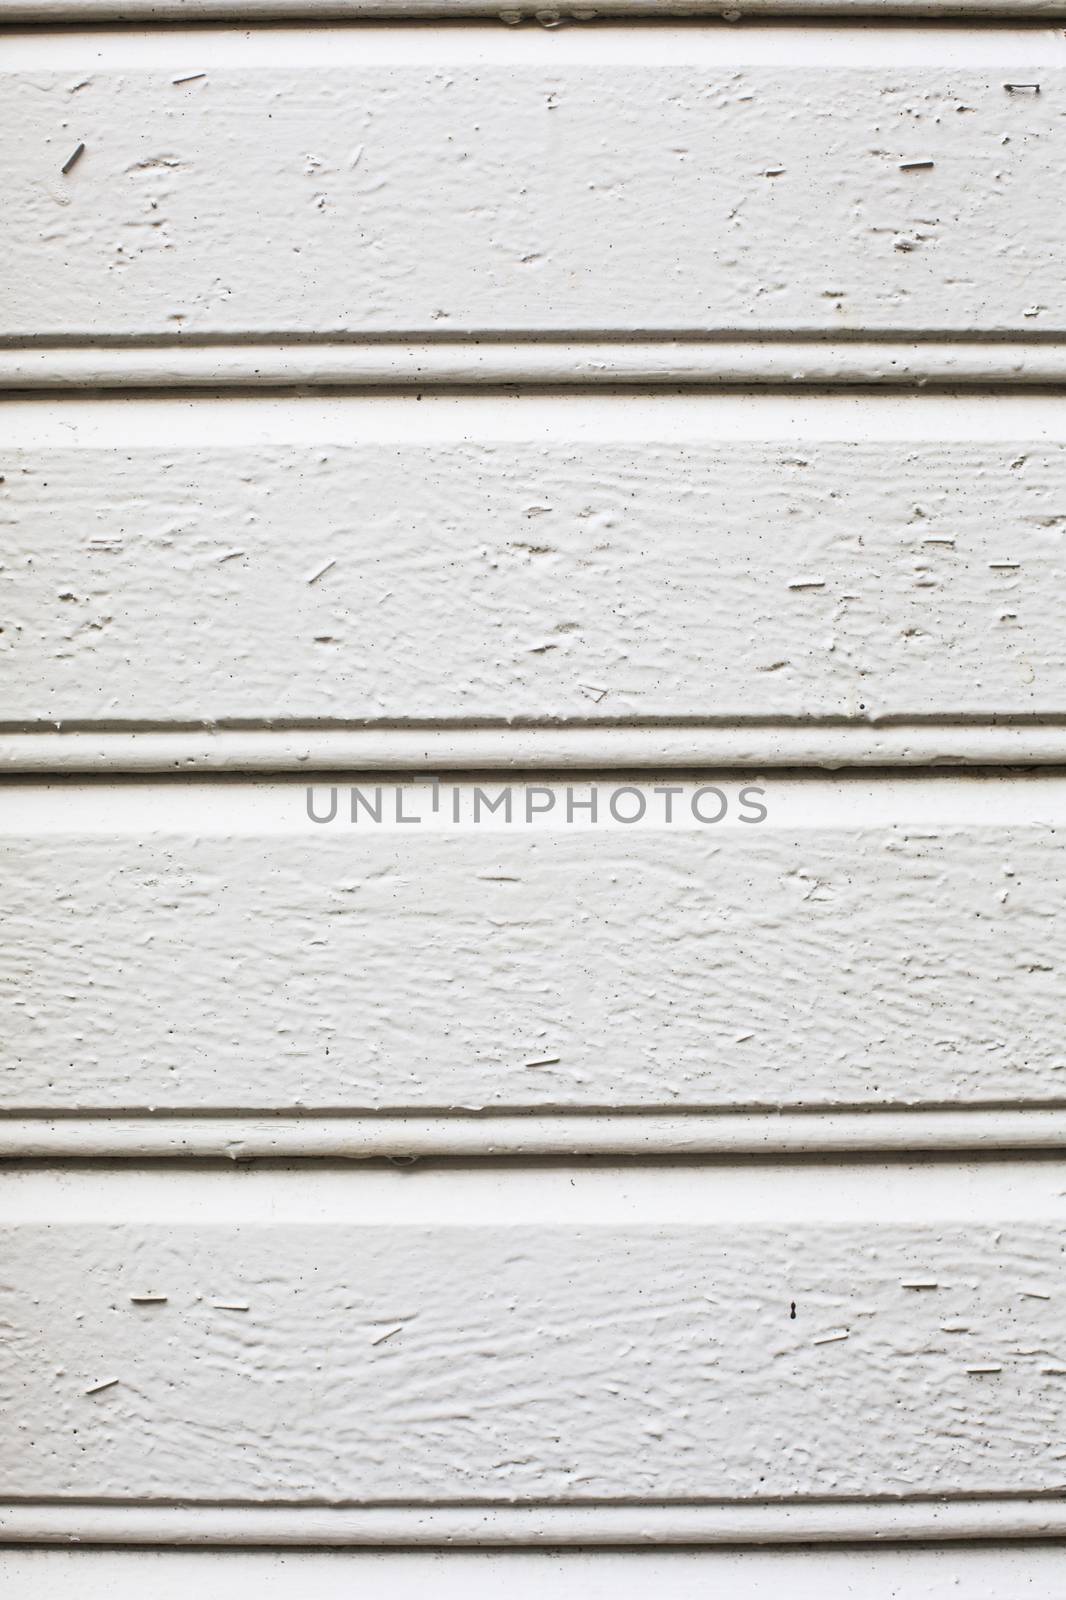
(408, 182)
(562, 1340)
(602, 559)
(197, 950)
(1002, 1572)
(636, 11)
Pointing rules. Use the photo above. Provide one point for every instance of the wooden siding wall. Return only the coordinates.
(431, 399)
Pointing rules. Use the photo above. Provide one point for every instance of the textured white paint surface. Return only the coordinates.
(602, 558)
(871, 943)
(409, 181)
(556, 1352)
(570, 1336)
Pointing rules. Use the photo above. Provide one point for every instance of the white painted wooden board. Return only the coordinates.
(197, 949)
(586, 558)
(559, 1354)
(1010, 1572)
(548, 16)
(530, 1339)
(414, 183)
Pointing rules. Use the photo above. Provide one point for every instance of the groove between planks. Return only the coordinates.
(548, 16)
(252, 1136)
(569, 747)
(814, 1522)
(897, 363)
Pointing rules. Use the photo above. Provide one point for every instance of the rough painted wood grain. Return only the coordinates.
(673, 186)
(354, 968)
(365, 1362)
(689, 578)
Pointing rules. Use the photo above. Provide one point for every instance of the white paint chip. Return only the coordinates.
(389, 1334)
(320, 572)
